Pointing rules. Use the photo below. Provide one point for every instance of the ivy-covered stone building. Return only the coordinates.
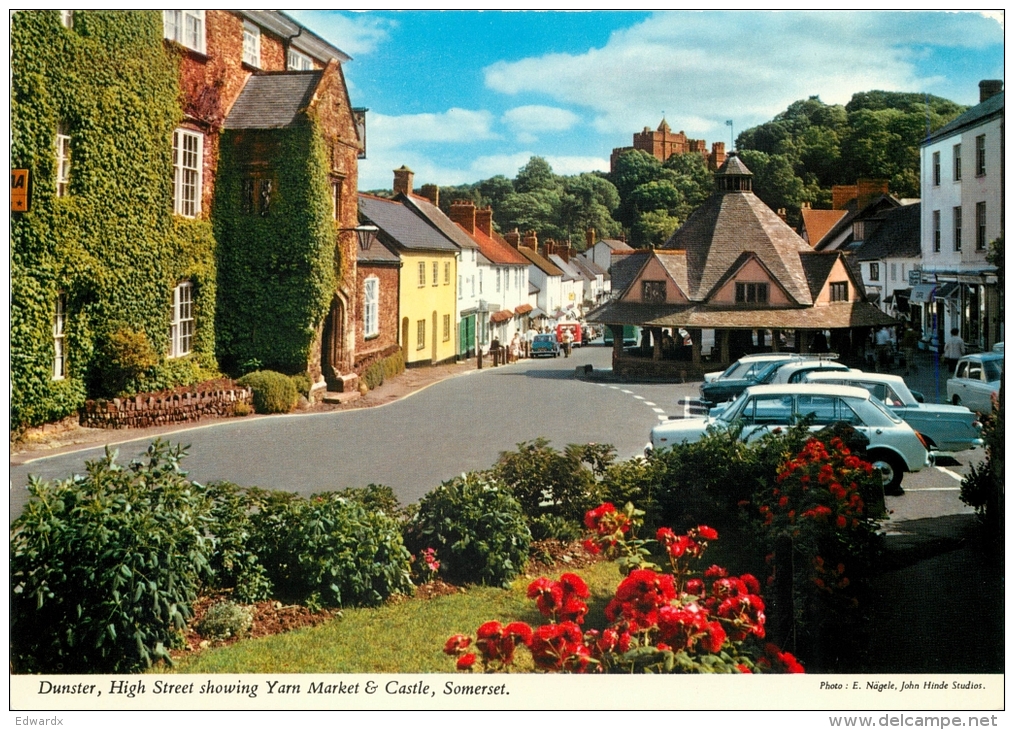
(192, 179)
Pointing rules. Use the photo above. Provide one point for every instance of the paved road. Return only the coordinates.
(456, 425)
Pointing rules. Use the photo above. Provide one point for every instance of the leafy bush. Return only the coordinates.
(104, 566)
(549, 482)
(982, 489)
(394, 364)
(225, 620)
(374, 498)
(272, 392)
(328, 550)
(373, 376)
(234, 563)
(302, 383)
(554, 527)
(477, 528)
(124, 355)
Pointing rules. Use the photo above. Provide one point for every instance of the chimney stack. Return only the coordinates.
(484, 220)
(513, 238)
(432, 192)
(463, 213)
(549, 247)
(589, 237)
(989, 88)
(403, 181)
(532, 241)
(783, 214)
(563, 251)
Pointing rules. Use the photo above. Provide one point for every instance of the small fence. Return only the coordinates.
(160, 409)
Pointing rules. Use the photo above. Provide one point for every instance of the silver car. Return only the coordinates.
(945, 427)
(976, 381)
(894, 446)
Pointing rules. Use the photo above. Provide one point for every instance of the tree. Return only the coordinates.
(537, 175)
(588, 202)
(531, 212)
(494, 190)
(653, 227)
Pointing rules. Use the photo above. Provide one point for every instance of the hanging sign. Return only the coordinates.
(19, 190)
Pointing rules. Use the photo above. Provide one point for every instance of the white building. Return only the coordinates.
(962, 213)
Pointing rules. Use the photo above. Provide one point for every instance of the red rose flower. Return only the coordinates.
(707, 533)
(465, 661)
(457, 644)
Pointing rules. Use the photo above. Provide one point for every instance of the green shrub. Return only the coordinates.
(549, 482)
(373, 376)
(375, 498)
(104, 567)
(302, 383)
(272, 392)
(394, 364)
(554, 527)
(234, 563)
(328, 550)
(476, 527)
(225, 620)
(124, 356)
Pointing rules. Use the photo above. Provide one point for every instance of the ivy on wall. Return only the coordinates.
(277, 266)
(113, 245)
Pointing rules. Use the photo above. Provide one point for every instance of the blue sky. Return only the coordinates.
(461, 96)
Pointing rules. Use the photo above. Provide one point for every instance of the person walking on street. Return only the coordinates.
(529, 338)
(909, 343)
(568, 339)
(883, 341)
(515, 348)
(954, 348)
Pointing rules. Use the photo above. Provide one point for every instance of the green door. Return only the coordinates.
(466, 332)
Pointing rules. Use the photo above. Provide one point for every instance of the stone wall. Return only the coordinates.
(161, 409)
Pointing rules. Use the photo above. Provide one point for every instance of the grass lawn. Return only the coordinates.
(400, 637)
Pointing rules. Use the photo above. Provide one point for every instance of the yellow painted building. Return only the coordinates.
(429, 273)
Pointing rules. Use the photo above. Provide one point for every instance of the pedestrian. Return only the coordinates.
(883, 342)
(515, 347)
(909, 343)
(568, 339)
(529, 338)
(954, 348)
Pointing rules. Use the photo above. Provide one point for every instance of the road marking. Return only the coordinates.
(950, 473)
(614, 387)
(628, 392)
(648, 403)
(639, 397)
(658, 410)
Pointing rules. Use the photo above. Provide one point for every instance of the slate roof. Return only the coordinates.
(817, 223)
(615, 244)
(296, 34)
(376, 254)
(569, 272)
(624, 267)
(880, 202)
(538, 261)
(436, 217)
(818, 265)
(896, 236)
(590, 266)
(729, 223)
(273, 100)
(400, 226)
(993, 106)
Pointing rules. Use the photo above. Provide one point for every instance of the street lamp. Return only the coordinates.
(366, 235)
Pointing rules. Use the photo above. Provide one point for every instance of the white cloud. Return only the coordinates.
(703, 68)
(453, 125)
(357, 34)
(534, 118)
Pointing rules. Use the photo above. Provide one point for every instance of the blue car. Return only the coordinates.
(545, 345)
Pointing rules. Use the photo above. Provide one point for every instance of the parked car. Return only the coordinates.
(545, 345)
(945, 427)
(765, 372)
(748, 364)
(894, 448)
(630, 335)
(976, 381)
(998, 347)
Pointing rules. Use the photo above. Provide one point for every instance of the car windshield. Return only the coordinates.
(993, 368)
(736, 370)
(732, 410)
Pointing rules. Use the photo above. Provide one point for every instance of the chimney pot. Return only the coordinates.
(484, 220)
(463, 213)
(989, 88)
(513, 238)
(432, 192)
(403, 181)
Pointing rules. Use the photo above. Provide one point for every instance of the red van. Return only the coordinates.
(575, 332)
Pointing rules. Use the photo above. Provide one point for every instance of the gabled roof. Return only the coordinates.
(273, 100)
(436, 217)
(818, 265)
(500, 252)
(817, 223)
(624, 268)
(729, 223)
(992, 107)
(615, 244)
(879, 203)
(400, 226)
(296, 34)
(377, 253)
(536, 259)
(730, 274)
(589, 269)
(569, 272)
(897, 235)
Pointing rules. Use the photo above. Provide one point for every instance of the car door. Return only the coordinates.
(763, 414)
(976, 388)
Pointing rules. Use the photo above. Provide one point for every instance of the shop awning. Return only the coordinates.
(503, 315)
(523, 309)
(536, 313)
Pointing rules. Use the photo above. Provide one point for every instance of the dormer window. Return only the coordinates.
(251, 44)
(297, 61)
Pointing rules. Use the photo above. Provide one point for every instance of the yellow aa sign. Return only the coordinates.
(19, 191)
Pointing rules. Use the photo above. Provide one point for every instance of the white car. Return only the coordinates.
(894, 446)
(945, 427)
(795, 372)
(747, 365)
(976, 381)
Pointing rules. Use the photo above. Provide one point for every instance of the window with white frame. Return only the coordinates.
(251, 44)
(936, 168)
(461, 289)
(187, 158)
(436, 273)
(875, 271)
(980, 155)
(67, 18)
(447, 327)
(957, 227)
(420, 334)
(498, 279)
(980, 226)
(297, 61)
(957, 162)
(447, 273)
(181, 325)
(59, 343)
(62, 162)
(936, 231)
(185, 27)
(371, 308)
(422, 273)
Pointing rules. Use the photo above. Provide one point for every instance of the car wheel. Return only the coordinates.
(955, 400)
(891, 471)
